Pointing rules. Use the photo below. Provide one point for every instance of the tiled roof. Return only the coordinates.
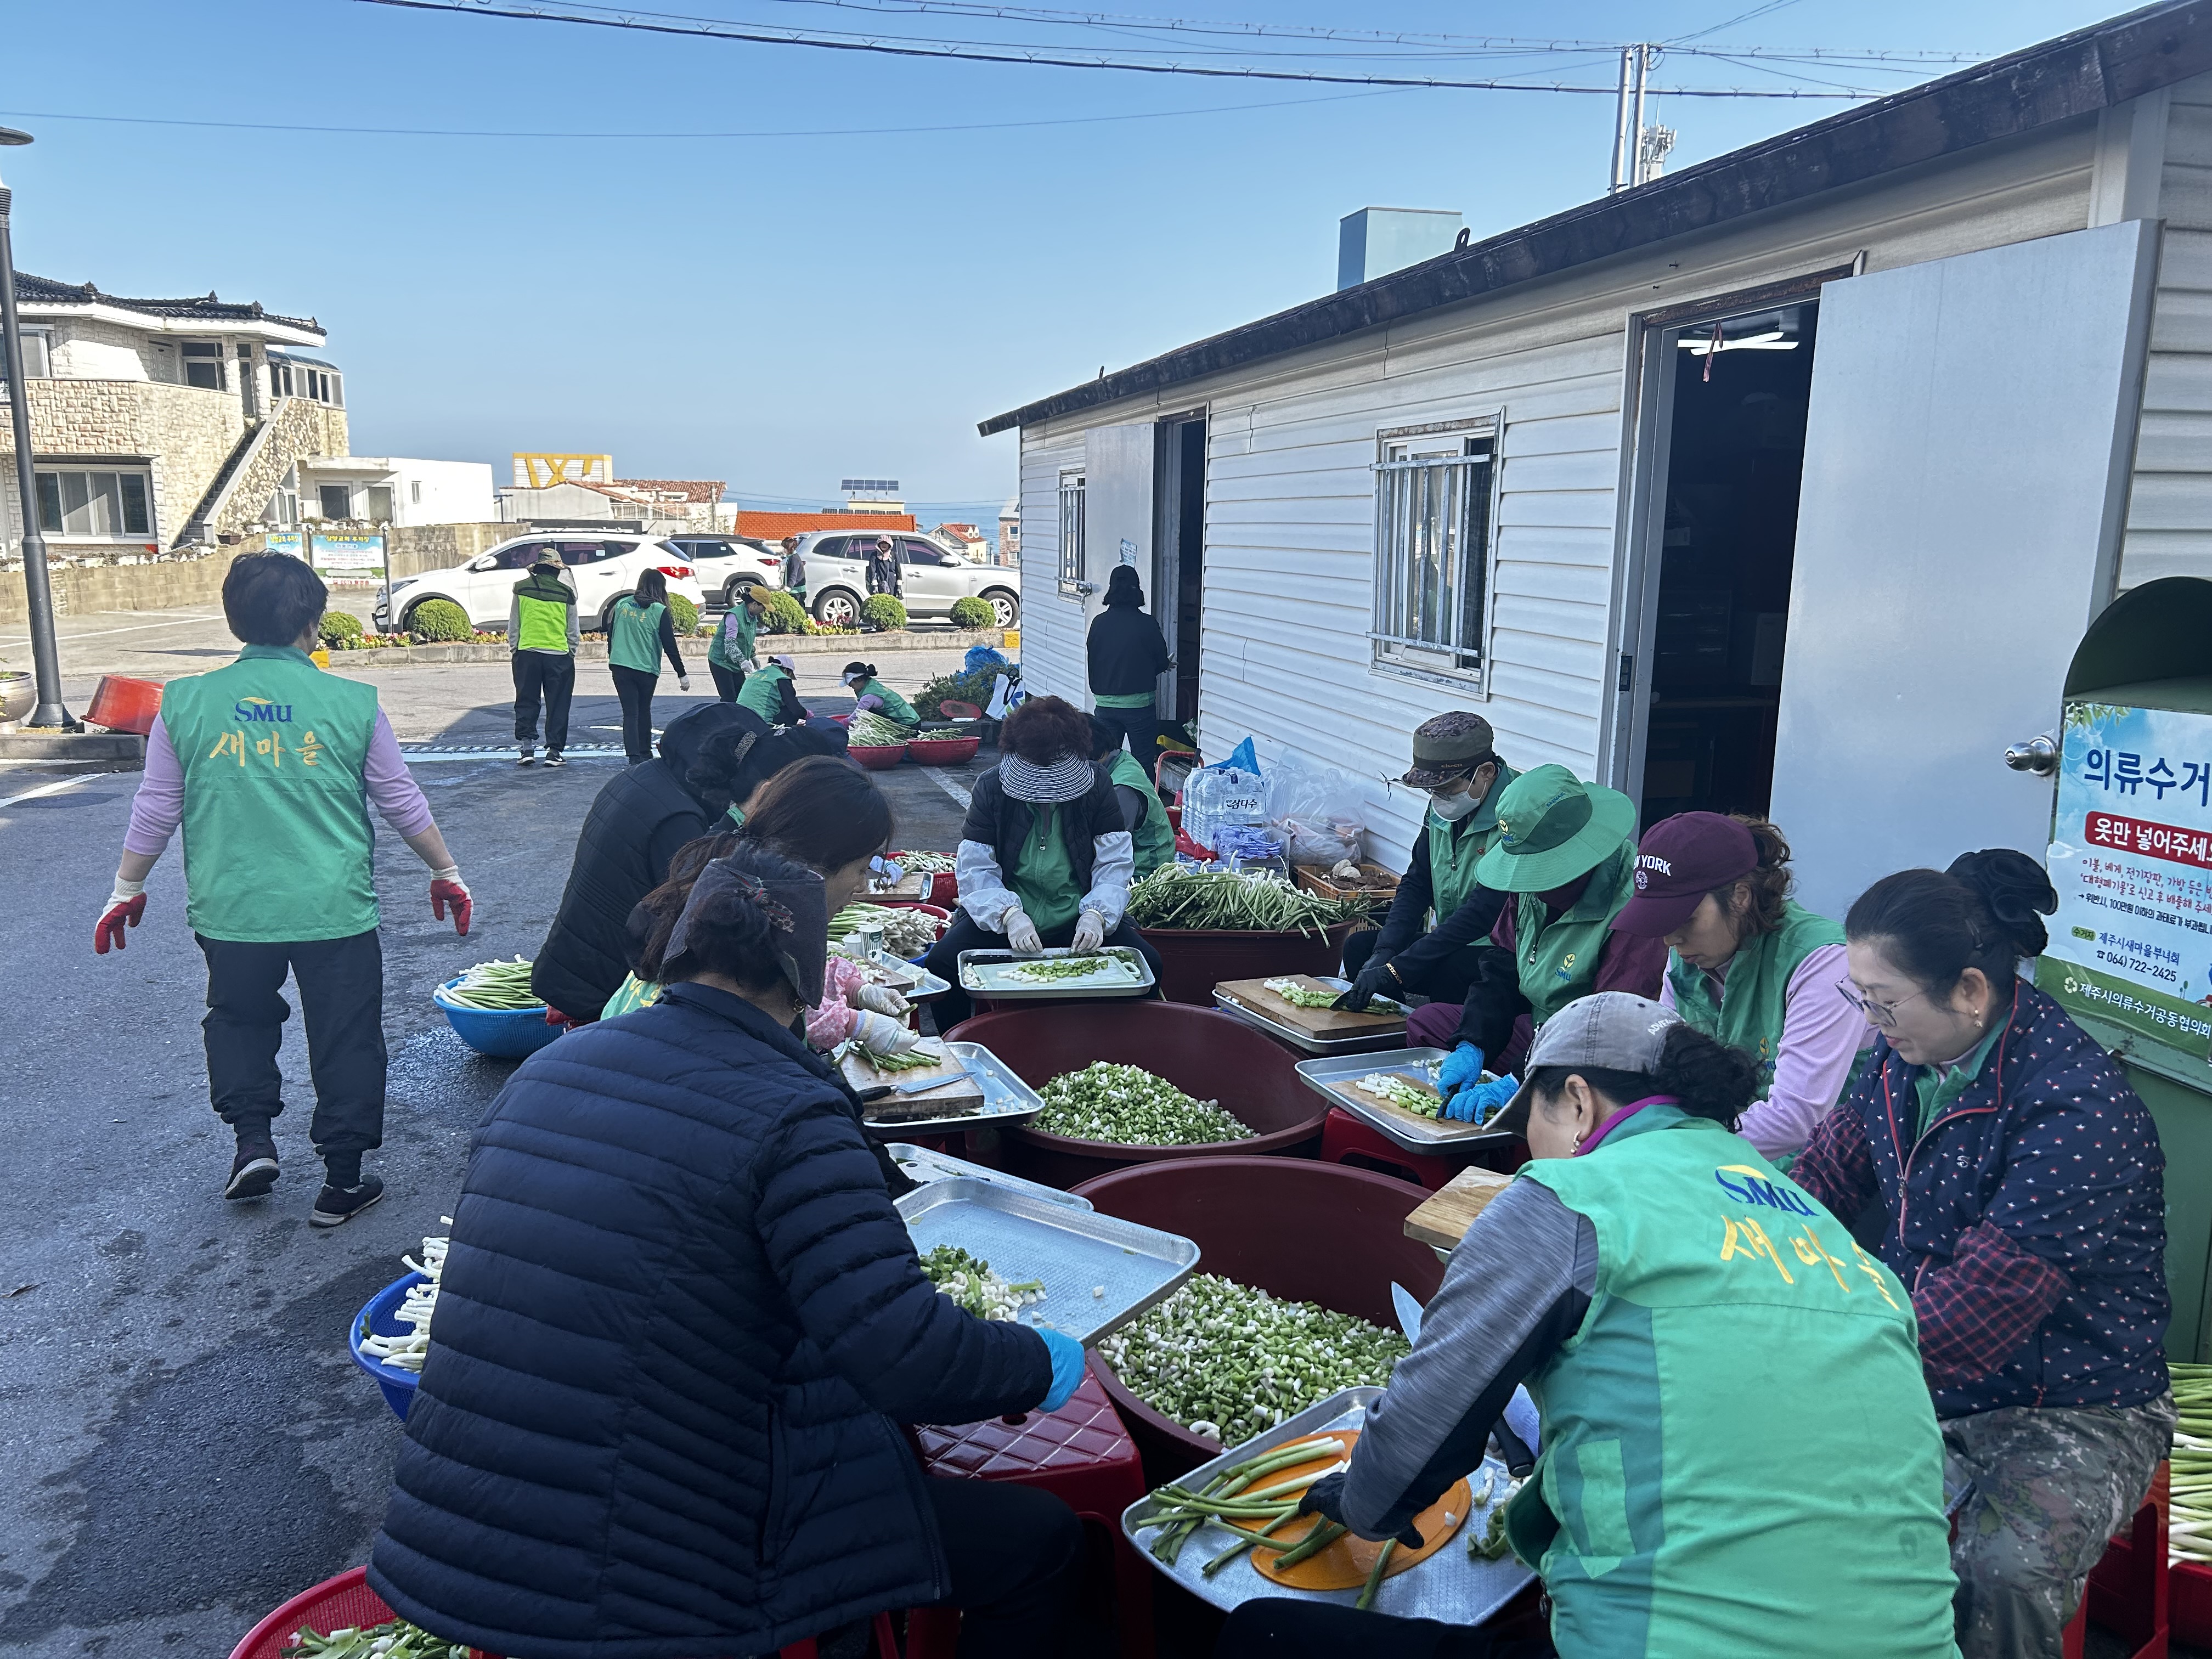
(43, 291)
(775, 527)
(688, 489)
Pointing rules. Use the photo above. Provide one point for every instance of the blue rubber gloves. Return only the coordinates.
(1068, 1362)
(1462, 1067)
(1475, 1103)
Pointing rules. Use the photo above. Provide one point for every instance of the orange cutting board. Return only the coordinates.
(1346, 1564)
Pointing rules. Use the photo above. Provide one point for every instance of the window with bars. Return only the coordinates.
(1432, 518)
(1072, 530)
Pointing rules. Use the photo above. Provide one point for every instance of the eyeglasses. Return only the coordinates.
(1883, 1014)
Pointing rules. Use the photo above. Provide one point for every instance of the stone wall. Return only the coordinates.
(417, 548)
(300, 428)
(184, 432)
(81, 589)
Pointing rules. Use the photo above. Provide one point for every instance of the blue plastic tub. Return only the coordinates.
(379, 1318)
(499, 1033)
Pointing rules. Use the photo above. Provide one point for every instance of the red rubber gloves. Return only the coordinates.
(123, 910)
(447, 888)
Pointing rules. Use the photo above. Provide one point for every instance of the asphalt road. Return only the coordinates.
(187, 1441)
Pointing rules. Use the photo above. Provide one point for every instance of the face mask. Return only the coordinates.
(1452, 808)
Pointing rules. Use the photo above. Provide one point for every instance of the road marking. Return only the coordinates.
(53, 788)
(943, 780)
(486, 751)
(102, 633)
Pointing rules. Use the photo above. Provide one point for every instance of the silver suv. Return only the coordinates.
(829, 573)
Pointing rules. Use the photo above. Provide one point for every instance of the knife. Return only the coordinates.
(922, 1085)
(1409, 1311)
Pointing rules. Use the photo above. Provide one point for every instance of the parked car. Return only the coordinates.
(601, 568)
(728, 564)
(830, 573)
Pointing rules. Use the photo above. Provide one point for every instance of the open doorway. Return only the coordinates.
(1734, 449)
(1179, 573)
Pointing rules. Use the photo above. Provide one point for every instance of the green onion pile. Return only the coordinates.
(1297, 995)
(1235, 1501)
(912, 1060)
(972, 1284)
(503, 986)
(1225, 1360)
(2189, 1537)
(871, 731)
(907, 932)
(1402, 1091)
(1130, 1107)
(1253, 900)
(1490, 1543)
(925, 863)
(1051, 971)
(407, 1352)
(396, 1640)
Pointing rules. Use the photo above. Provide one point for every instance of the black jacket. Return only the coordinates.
(1127, 653)
(1406, 940)
(999, 822)
(678, 1325)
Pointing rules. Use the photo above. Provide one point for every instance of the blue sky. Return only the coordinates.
(783, 312)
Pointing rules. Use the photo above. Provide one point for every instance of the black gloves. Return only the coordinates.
(1374, 979)
(1325, 1498)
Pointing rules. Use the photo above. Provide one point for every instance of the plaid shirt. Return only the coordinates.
(2029, 1220)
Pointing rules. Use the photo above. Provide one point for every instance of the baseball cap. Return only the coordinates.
(1679, 861)
(1617, 1030)
(1551, 828)
(1445, 745)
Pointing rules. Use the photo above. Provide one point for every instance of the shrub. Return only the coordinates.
(786, 615)
(975, 688)
(439, 620)
(339, 625)
(682, 613)
(883, 610)
(973, 613)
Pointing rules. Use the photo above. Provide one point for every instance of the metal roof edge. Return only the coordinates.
(2073, 75)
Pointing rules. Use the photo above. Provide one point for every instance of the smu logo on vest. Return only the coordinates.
(1752, 1188)
(260, 709)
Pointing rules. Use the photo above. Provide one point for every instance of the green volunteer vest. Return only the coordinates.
(633, 642)
(632, 994)
(1559, 960)
(1749, 1013)
(277, 842)
(1740, 1456)
(1042, 878)
(1455, 849)
(760, 694)
(1154, 836)
(896, 707)
(544, 603)
(733, 641)
(1124, 699)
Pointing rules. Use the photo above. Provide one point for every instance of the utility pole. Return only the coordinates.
(1624, 146)
(1637, 149)
(45, 663)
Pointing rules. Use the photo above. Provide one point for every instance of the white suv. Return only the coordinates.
(601, 568)
(830, 572)
(727, 565)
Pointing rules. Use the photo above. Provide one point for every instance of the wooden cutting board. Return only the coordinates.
(1324, 1023)
(1443, 1218)
(963, 1095)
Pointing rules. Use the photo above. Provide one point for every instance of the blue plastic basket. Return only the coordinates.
(379, 1318)
(499, 1033)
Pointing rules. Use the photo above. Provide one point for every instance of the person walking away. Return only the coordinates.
(883, 569)
(269, 766)
(1143, 813)
(1431, 942)
(635, 824)
(640, 630)
(773, 693)
(859, 678)
(2018, 1186)
(1565, 854)
(1748, 964)
(1128, 655)
(542, 633)
(1043, 857)
(730, 651)
(687, 1325)
(1664, 1293)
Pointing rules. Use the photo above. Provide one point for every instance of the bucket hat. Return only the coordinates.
(547, 558)
(1551, 828)
(1680, 861)
(1613, 1031)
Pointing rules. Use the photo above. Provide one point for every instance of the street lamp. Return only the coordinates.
(45, 663)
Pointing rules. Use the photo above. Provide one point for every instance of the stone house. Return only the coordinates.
(160, 423)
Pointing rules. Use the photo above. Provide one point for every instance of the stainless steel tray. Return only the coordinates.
(911, 980)
(1074, 1251)
(1449, 1586)
(1006, 1099)
(977, 980)
(1413, 1135)
(924, 1166)
(1373, 1042)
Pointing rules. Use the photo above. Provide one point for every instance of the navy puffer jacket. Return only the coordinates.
(678, 1325)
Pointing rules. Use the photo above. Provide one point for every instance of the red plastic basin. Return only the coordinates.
(1193, 960)
(877, 757)
(1208, 1055)
(340, 1603)
(1312, 1232)
(942, 751)
(125, 705)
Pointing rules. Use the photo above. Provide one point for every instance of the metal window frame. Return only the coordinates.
(1074, 495)
(136, 468)
(1472, 678)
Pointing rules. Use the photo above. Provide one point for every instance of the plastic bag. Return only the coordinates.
(1317, 810)
(981, 656)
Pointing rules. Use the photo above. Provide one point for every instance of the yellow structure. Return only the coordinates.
(535, 470)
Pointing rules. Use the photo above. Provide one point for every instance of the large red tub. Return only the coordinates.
(1208, 1055)
(1308, 1232)
(1193, 960)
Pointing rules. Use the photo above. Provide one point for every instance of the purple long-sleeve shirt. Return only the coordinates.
(159, 806)
(1821, 1035)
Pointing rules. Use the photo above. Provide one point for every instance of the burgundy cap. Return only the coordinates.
(1677, 862)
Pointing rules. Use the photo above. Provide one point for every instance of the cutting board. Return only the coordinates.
(962, 1096)
(1443, 1218)
(1320, 1024)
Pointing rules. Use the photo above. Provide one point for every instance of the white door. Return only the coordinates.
(1966, 460)
(1118, 465)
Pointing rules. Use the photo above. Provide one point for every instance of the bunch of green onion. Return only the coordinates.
(1249, 900)
(925, 863)
(1131, 1107)
(500, 986)
(871, 731)
(2189, 1533)
(397, 1639)
(907, 932)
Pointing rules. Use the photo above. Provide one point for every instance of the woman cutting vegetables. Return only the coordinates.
(1738, 1456)
(1748, 964)
(680, 1326)
(859, 678)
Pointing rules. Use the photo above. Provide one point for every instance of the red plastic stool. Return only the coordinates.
(1346, 1139)
(2128, 1591)
(1080, 1454)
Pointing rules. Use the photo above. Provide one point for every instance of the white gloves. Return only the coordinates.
(880, 1034)
(123, 893)
(882, 999)
(1021, 933)
(1090, 931)
(684, 682)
